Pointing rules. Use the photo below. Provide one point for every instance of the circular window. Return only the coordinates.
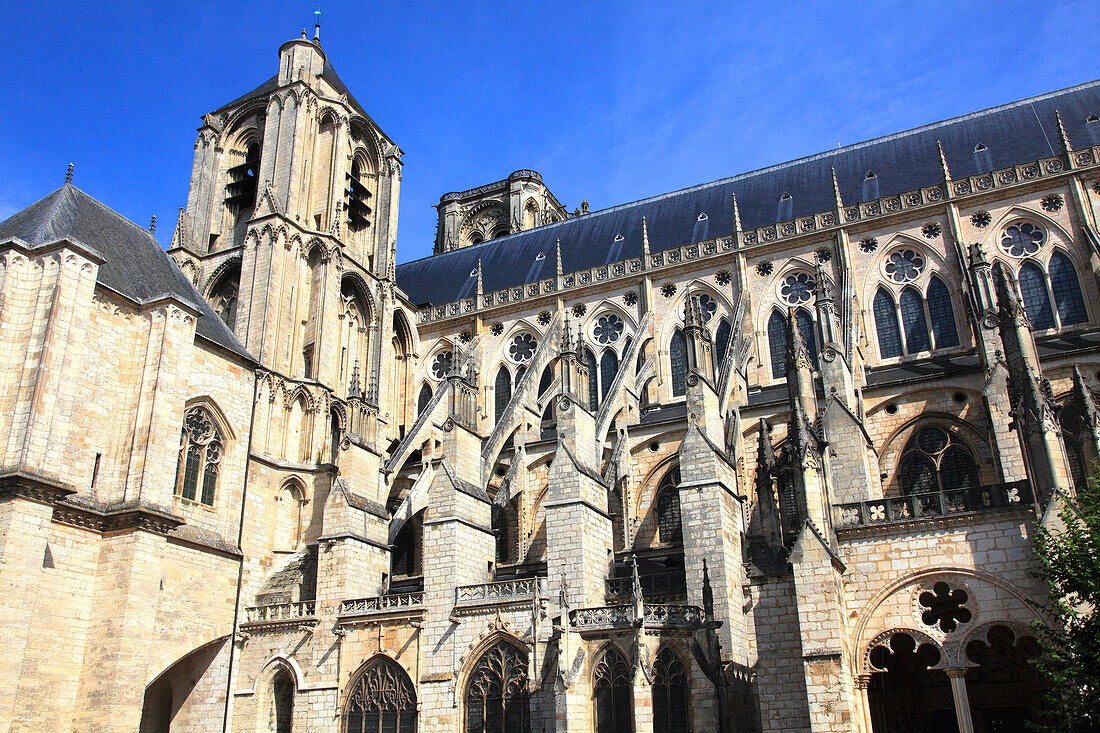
(522, 347)
(904, 265)
(1021, 240)
(608, 328)
(707, 306)
(797, 288)
(441, 365)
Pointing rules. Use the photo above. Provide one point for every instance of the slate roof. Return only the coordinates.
(1012, 133)
(134, 264)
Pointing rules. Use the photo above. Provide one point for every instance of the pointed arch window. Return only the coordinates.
(677, 356)
(777, 343)
(405, 557)
(282, 694)
(502, 392)
(669, 520)
(593, 380)
(496, 694)
(223, 296)
(670, 693)
(913, 321)
(611, 690)
(809, 334)
(1067, 290)
(609, 366)
(935, 459)
(382, 700)
(941, 314)
(1033, 290)
(721, 343)
(546, 380)
(423, 400)
(886, 325)
(904, 328)
(201, 446)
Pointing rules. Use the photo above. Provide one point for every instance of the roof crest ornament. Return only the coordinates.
(943, 162)
(836, 190)
(480, 287)
(645, 238)
(1066, 147)
(153, 225)
(317, 28)
(69, 174)
(736, 213)
(557, 251)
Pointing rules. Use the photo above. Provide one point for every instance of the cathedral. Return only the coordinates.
(764, 454)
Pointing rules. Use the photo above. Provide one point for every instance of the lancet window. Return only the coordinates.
(201, 448)
(502, 392)
(382, 700)
(223, 296)
(721, 343)
(935, 459)
(1058, 285)
(915, 323)
(611, 690)
(677, 357)
(496, 694)
(669, 523)
(670, 693)
(777, 339)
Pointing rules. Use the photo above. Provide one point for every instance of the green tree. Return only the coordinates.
(1069, 563)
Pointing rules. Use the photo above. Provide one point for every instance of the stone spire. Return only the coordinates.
(736, 213)
(480, 284)
(766, 503)
(637, 603)
(645, 239)
(557, 255)
(837, 201)
(354, 390)
(1066, 147)
(1085, 403)
(697, 340)
(943, 162)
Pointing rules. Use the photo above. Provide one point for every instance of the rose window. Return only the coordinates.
(945, 607)
(797, 288)
(707, 306)
(522, 347)
(441, 366)
(905, 265)
(608, 329)
(1024, 239)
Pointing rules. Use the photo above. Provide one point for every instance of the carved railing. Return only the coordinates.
(946, 503)
(657, 616)
(280, 612)
(547, 350)
(382, 604)
(500, 592)
(610, 406)
(413, 439)
(656, 586)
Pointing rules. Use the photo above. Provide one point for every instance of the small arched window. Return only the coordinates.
(935, 459)
(381, 700)
(609, 366)
(611, 690)
(914, 322)
(670, 693)
(502, 392)
(942, 314)
(424, 399)
(1033, 290)
(497, 694)
(593, 379)
(721, 343)
(282, 698)
(777, 343)
(809, 334)
(223, 296)
(201, 447)
(677, 356)
(1067, 290)
(886, 325)
(406, 553)
(669, 522)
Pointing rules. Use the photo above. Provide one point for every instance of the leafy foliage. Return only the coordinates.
(1069, 562)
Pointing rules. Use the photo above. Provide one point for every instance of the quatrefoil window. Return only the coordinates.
(945, 607)
(608, 329)
(797, 288)
(522, 347)
(904, 265)
(441, 366)
(1024, 239)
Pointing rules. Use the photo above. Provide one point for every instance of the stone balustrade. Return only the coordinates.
(657, 616)
(395, 602)
(655, 586)
(945, 503)
(503, 591)
(275, 612)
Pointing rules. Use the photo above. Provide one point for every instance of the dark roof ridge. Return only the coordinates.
(40, 232)
(795, 161)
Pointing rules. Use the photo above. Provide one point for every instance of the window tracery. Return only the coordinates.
(608, 328)
(497, 694)
(677, 356)
(670, 693)
(441, 365)
(611, 690)
(1022, 239)
(522, 347)
(797, 288)
(904, 265)
(669, 520)
(201, 446)
(933, 460)
(382, 700)
(914, 323)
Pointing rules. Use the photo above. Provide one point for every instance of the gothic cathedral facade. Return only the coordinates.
(764, 454)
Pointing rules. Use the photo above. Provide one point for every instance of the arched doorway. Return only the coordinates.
(907, 695)
(1004, 689)
(496, 694)
(381, 700)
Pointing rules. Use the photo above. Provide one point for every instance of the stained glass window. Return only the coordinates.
(670, 693)
(669, 526)
(809, 334)
(721, 343)
(935, 459)
(707, 306)
(382, 700)
(941, 314)
(611, 689)
(593, 380)
(886, 325)
(502, 392)
(797, 288)
(904, 265)
(200, 457)
(913, 321)
(677, 355)
(609, 366)
(522, 347)
(608, 328)
(441, 365)
(1033, 288)
(1067, 290)
(777, 343)
(424, 398)
(1020, 240)
(496, 695)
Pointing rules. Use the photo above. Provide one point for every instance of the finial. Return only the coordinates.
(708, 593)
(353, 385)
(1066, 147)
(303, 33)
(823, 289)
(317, 28)
(943, 162)
(636, 592)
(557, 254)
(836, 190)
(736, 214)
(480, 289)
(765, 452)
(153, 225)
(645, 237)
(69, 174)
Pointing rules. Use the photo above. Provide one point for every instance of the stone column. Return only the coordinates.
(962, 703)
(863, 684)
(643, 704)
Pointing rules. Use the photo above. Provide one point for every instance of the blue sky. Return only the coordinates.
(610, 101)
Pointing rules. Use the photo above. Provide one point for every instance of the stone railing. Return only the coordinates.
(946, 503)
(382, 604)
(276, 612)
(502, 591)
(657, 616)
(656, 586)
(814, 224)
